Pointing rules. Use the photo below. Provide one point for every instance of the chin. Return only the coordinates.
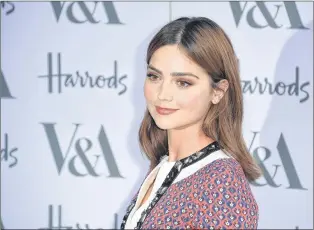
(166, 123)
(164, 126)
(163, 123)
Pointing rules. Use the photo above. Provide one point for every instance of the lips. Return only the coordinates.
(165, 111)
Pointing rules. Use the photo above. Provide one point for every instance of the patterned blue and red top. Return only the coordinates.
(215, 194)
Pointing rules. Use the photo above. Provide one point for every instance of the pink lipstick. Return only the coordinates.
(164, 111)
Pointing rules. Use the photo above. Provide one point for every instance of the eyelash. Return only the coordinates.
(186, 83)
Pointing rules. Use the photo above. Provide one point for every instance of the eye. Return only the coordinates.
(183, 84)
(152, 77)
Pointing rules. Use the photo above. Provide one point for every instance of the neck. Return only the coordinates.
(184, 142)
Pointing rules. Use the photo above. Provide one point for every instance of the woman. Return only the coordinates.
(191, 132)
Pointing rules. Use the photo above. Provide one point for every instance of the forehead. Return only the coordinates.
(171, 59)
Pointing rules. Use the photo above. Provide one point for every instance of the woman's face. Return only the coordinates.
(175, 82)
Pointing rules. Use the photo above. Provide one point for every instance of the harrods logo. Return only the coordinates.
(60, 225)
(295, 88)
(79, 79)
(8, 152)
(270, 12)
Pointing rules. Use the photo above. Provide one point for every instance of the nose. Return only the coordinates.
(165, 92)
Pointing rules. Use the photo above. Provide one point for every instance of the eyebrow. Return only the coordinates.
(174, 74)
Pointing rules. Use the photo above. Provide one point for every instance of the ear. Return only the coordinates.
(220, 90)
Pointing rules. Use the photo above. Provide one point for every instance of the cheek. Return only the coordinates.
(148, 91)
(194, 102)
(187, 102)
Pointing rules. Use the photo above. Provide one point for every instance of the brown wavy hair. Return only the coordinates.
(205, 43)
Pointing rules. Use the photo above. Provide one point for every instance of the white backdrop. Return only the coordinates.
(72, 101)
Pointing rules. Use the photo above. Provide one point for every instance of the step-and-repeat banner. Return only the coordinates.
(72, 101)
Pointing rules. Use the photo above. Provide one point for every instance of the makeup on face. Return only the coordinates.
(182, 79)
(176, 89)
(165, 111)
